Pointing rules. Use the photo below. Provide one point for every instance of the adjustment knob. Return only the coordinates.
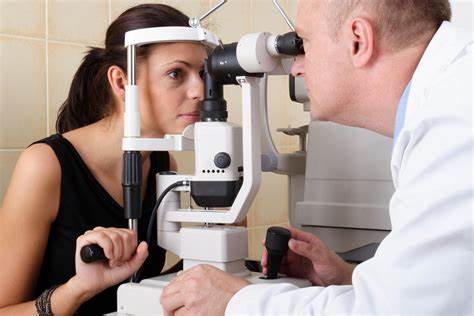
(276, 243)
(222, 160)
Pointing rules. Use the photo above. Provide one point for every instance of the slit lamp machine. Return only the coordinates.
(228, 169)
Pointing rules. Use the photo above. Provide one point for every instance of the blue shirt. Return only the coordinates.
(402, 106)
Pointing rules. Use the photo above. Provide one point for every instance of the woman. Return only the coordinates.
(66, 188)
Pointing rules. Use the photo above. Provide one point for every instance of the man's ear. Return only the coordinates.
(362, 42)
(117, 80)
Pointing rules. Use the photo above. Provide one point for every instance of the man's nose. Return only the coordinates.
(297, 70)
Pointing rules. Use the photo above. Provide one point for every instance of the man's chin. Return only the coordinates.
(315, 116)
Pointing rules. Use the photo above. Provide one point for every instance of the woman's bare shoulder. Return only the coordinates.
(35, 181)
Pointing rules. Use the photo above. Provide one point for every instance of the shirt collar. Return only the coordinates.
(402, 106)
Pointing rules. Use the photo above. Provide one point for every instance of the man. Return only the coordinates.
(393, 67)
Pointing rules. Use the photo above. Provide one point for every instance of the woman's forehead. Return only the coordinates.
(191, 53)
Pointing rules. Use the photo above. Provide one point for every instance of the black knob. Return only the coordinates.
(91, 253)
(277, 246)
(222, 160)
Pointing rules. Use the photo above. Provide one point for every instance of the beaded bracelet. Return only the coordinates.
(43, 302)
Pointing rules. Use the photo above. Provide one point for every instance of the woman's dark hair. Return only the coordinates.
(89, 98)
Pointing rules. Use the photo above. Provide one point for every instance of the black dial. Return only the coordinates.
(222, 160)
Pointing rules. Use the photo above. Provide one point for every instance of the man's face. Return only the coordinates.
(326, 64)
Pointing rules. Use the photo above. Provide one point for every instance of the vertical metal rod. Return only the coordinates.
(131, 64)
(133, 225)
(283, 14)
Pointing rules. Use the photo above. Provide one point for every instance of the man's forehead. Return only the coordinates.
(305, 13)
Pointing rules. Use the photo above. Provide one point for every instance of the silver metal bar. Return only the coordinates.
(133, 225)
(283, 14)
(205, 15)
(131, 64)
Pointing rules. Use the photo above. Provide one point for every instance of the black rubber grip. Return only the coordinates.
(276, 243)
(132, 183)
(92, 253)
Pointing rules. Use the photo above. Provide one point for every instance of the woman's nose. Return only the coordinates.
(196, 89)
(297, 69)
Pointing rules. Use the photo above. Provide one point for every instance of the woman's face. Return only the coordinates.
(170, 87)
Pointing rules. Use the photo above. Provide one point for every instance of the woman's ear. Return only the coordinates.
(117, 80)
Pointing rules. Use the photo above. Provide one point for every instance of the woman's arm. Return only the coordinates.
(30, 206)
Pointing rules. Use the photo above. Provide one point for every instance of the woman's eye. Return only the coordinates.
(201, 73)
(174, 74)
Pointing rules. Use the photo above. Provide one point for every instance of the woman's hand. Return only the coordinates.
(309, 258)
(124, 258)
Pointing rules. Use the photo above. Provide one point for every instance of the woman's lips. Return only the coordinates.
(190, 117)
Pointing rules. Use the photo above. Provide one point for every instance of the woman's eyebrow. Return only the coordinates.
(179, 62)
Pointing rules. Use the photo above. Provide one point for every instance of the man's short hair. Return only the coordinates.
(401, 23)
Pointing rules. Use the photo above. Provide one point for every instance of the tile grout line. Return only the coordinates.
(22, 37)
(49, 40)
(267, 225)
(47, 67)
(74, 43)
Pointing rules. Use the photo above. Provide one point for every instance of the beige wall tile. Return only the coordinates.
(298, 117)
(78, 21)
(233, 96)
(23, 17)
(278, 109)
(63, 61)
(192, 8)
(171, 260)
(271, 204)
(119, 6)
(185, 161)
(255, 236)
(290, 8)
(7, 163)
(23, 92)
(189, 7)
(231, 21)
(266, 18)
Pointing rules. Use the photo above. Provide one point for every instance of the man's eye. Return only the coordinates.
(201, 73)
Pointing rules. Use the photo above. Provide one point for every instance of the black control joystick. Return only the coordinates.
(277, 246)
(92, 253)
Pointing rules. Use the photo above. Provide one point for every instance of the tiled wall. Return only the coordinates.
(42, 43)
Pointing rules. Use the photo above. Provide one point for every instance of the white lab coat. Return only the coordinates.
(425, 265)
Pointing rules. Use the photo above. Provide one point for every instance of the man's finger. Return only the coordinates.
(171, 298)
(264, 257)
(303, 236)
(304, 249)
(173, 287)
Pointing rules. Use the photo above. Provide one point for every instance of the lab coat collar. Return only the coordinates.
(447, 44)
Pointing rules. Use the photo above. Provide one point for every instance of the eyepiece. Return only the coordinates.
(290, 44)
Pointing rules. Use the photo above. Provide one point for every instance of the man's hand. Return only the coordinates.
(202, 290)
(309, 258)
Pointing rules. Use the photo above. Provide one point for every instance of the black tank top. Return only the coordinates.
(85, 204)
